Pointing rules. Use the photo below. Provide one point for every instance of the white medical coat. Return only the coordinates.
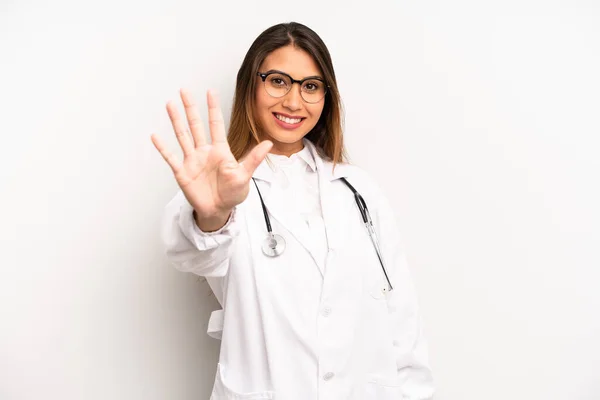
(293, 327)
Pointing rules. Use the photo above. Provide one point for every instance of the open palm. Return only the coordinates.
(211, 179)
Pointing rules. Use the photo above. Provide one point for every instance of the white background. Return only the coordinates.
(479, 119)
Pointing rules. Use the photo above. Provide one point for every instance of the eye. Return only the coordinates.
(278, 81)
(312, 86)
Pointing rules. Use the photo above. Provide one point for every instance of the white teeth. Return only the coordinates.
(288, 120)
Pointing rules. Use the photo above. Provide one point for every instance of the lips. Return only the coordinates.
(288, 122)
(288, 119)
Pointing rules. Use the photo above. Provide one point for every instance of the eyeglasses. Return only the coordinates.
(278, 84)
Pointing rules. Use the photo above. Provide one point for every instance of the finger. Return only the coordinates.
(256, 156)
(193, 117)
(173, 162)
(215, 118)
(180, 128)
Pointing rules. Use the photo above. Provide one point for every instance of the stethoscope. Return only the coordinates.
(274, 244)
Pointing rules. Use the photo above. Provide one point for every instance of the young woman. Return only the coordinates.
(317, 304)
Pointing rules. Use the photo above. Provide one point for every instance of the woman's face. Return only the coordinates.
(286, 120)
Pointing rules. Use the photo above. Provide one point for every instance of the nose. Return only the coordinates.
(293, 99)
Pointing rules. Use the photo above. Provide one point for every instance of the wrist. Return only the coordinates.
(212, 222)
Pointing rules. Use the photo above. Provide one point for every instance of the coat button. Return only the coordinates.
(328, 376)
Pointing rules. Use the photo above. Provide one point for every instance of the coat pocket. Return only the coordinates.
(379, 388)
(223, 389)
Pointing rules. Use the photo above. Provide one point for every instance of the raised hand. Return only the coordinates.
(209, 176)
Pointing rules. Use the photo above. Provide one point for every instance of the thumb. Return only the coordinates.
(256, 155)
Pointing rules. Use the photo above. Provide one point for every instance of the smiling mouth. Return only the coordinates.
(288, 120)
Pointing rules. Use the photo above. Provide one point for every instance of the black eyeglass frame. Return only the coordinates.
(264, 75)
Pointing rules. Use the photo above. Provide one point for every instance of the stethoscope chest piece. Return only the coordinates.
(273, 245)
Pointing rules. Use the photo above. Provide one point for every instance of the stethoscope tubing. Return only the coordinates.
(366, 216)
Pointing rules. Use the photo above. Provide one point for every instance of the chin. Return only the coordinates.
(286, 137)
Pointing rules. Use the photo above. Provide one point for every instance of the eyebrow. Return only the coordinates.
(303, 79)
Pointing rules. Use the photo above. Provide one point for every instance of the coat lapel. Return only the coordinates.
(336, 198)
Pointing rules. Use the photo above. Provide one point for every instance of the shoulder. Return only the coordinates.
(380, 208)
(364, 183)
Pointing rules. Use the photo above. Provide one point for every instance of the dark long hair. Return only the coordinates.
(243, 129)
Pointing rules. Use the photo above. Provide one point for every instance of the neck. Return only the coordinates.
(286, 149)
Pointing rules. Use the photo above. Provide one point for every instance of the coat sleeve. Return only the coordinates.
(191, 250)
(410, 347)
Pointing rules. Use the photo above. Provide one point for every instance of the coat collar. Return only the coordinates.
(266, 172)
